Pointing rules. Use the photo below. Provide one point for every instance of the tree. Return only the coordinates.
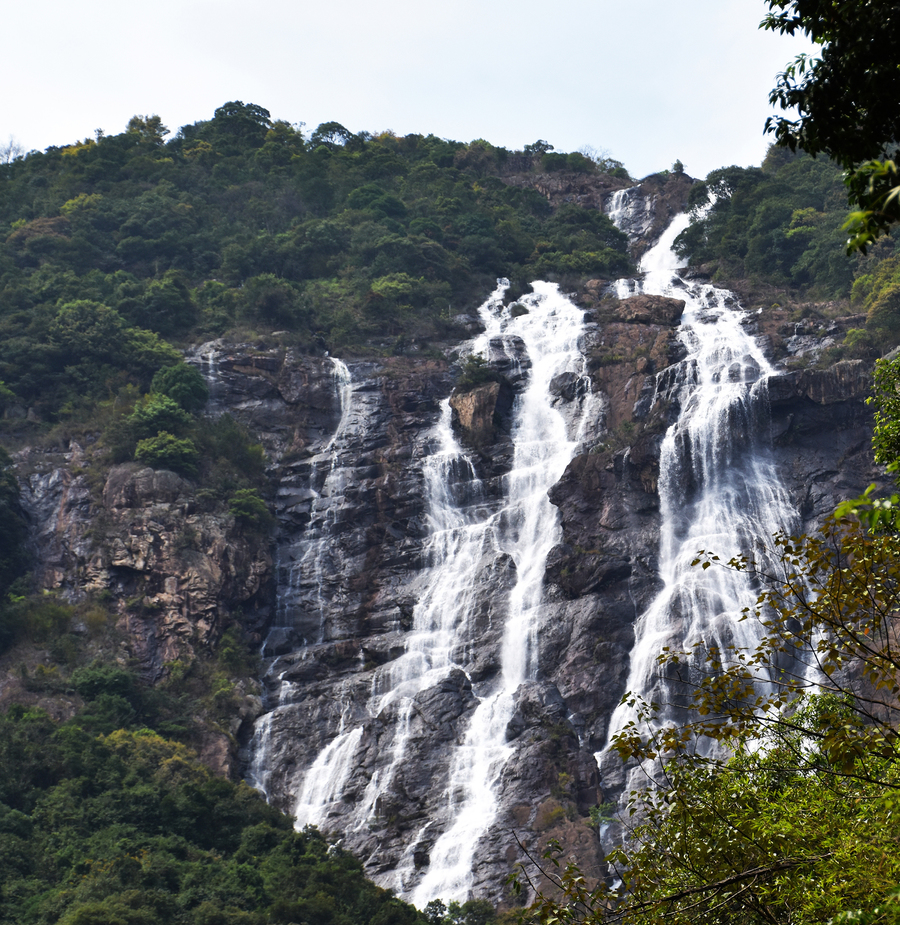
(10, 150)
(538, 148)
(13, 534)
(886, 399)
(245, 125)
(332, 134)
(166, 451)
(847, 100)
(183, 384)
(148, 128)
(776, 801)
(249, 509)
(155, 413)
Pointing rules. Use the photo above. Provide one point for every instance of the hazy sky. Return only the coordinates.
(647, 81)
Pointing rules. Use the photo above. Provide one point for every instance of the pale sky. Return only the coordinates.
(646, 81)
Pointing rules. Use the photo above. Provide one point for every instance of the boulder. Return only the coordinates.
(651, 309)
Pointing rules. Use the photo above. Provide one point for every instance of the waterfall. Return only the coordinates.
(303, 563)
(304, 566)
(619, 205)
(526, 529)
(206, 359)
(466, 527)
(718, 486)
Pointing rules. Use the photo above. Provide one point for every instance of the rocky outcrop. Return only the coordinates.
(845, 381)
(588, 190)
(174, 571)
(651, 309)
(644, 211)
(822, 436)
(478, 413)
(354, 504)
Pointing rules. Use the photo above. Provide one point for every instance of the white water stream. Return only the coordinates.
(307, 565)
(526, 528)
(302, 568)
(719, 489)
(463, 529)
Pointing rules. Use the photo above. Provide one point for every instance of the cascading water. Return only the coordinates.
(305, 565)
(302, 565)
(526, 529)
(206, 359)
(465, 527)
(718, 487)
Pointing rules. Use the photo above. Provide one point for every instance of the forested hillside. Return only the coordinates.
(129, 828)
(117, 255)
(780, 227)
(241, 223)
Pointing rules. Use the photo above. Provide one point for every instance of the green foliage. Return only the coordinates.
(156, 413)
(878, 294)
(230, 458)
(168, 305)
(886, 399)
(476, 371)
(165, 451)
(13, 535)
(780, 223)
(847, 100)
(183, 384)
(127, 827)
(343, 239)
(470, 912)
(249, 509)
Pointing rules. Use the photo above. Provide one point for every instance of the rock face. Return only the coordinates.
(174, 570)
(643, 212)
(354, 552)
(481, 411)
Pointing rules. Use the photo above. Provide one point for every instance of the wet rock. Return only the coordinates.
(508, 356)
(568, 386)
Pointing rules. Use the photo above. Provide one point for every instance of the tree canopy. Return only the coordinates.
(847, 100)
(363, 242)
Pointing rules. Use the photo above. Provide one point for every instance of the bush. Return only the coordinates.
(155, 413)
(165, 451)
(249, 509)
(475, 372)
(183, 384)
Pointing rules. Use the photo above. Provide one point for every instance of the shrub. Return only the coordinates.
(475, 372)
(155, 413)
(165, 451)
(183, 384)
(249, 509)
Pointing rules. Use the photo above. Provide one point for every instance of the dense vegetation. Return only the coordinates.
(782, 225)
(780, 222)
(841, 101)
(128, 828)
(115, 244)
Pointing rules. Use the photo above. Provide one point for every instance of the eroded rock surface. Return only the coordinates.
(174, 571)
